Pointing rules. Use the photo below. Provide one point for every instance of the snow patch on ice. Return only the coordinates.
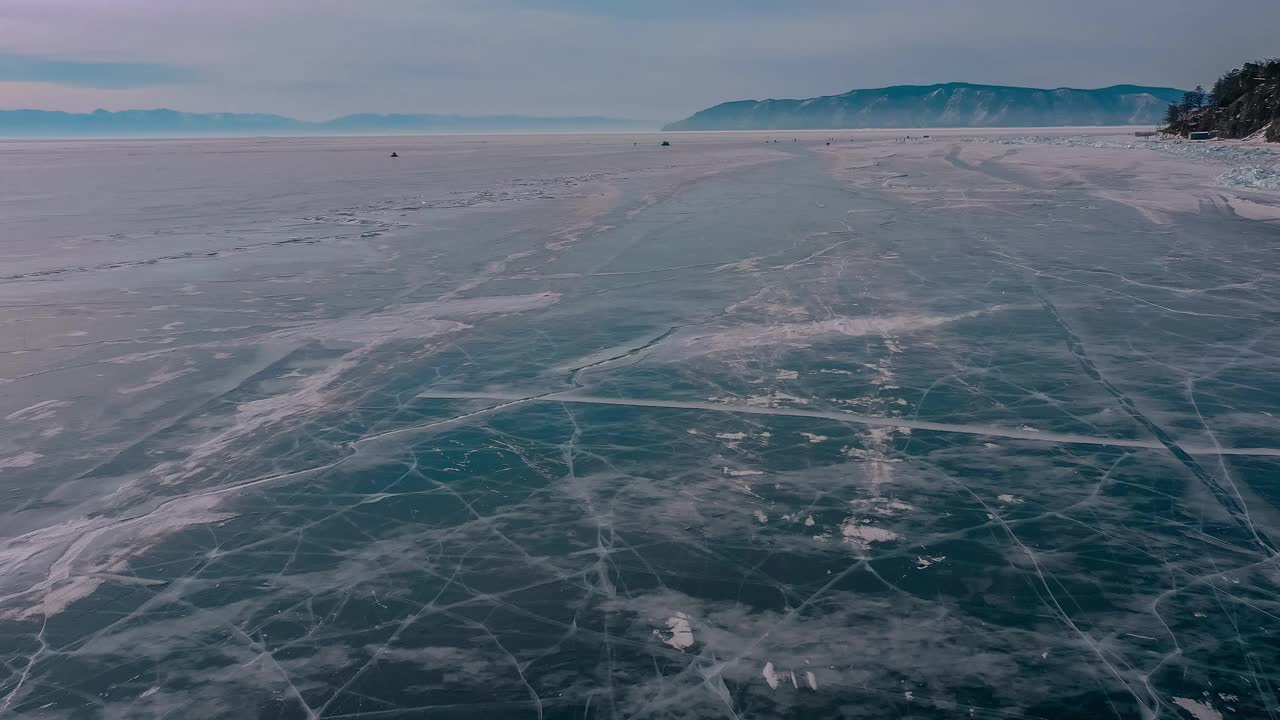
(1198, 710)
(21, 460)
(801, 334)
(1254, 211)
(882, 506)
(39, 411)
(861, 536)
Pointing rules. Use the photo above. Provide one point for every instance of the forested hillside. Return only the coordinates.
(1243, 103)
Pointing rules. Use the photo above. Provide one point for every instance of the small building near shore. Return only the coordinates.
(1200, 135)
(1140, 133)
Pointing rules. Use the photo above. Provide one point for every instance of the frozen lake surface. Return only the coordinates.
(571, 427)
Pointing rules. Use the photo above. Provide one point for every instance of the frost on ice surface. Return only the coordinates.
(1253, 166)
(21, 460)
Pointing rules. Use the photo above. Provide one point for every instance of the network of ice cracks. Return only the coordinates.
(868, 484)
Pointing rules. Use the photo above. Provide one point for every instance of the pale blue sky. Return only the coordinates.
(656, 60)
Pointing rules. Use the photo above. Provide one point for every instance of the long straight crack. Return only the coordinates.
(869, 420)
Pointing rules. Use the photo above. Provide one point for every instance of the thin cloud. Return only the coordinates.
(102, 75)
(655, 60)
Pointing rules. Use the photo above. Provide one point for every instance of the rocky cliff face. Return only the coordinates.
(1256, 114)
(949, 105)
(1244, 103)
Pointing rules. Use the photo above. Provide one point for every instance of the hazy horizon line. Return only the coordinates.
(540, 116)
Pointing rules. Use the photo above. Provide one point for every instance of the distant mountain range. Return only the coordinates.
(948, 105)
(135, 123)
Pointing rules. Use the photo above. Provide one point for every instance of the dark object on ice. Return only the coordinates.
(395, 154)
(828, 143)
(1201, 135)
(666, 143)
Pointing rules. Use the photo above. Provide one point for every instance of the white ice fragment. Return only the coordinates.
(761, 516)
(788, 375)
(741, 473)
(809, 678)
(150, 692)
(1008, 499)
(861, 536)
(732, 436)
(814, 438)
(681, 633)
(923, 562)
(1198, 710)
(909, 695)
(770, 676)
(808, 522)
